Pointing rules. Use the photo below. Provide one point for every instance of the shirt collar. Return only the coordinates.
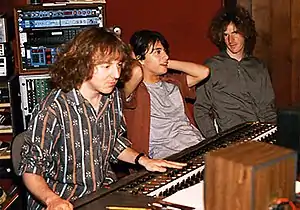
(223, 53)
(74, 97)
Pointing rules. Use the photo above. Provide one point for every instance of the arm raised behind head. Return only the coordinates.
(195, 72)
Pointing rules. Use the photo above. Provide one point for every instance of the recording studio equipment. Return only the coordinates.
(15, 105)
(117, 30)
(5, 111)
(34, 2)
(256, 174)
(5, 51)
(4, 92)
(33, 89)
(3, 33)
(2, 196)
(2, 49)
(158, 185)
(3, 66)
(41, 31)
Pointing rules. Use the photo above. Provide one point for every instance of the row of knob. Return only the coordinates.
(177, 179)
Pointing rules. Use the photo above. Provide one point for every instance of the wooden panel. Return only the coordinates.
(261, 12)
(249, 176)
(280, 51)
(295, 51)
(278, 45)
(246, 4)
(267, 186)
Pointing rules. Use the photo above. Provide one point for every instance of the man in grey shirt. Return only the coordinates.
(170, 129)
(239, 87)
(158, 119)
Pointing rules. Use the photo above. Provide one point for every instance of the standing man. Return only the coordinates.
(239, 88)
(158, 120)
(76, 131)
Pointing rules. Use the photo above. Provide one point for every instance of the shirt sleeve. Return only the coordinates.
(37, 154)
(130, 101)
(203, 107)
(181, 79)
(121, 142)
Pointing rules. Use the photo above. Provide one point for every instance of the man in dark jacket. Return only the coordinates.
(239, 88)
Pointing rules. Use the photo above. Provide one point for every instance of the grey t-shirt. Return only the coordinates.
(170, 129)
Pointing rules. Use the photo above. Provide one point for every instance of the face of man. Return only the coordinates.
(156, 61)
(235, 42)
(105, 76)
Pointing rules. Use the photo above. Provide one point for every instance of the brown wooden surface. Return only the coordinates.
(261, 10)
(295, 27)
(248, 176)
(245, 3)
(281, 63)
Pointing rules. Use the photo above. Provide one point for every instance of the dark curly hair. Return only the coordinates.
(76, 60)
(142, 41)
(243, 21)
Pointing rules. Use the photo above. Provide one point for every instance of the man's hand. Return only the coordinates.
(159, 165)
(37, 185)
(58, 203)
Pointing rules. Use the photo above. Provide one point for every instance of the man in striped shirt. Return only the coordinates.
(76, 131)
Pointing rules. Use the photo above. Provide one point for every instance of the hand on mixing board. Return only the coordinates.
(58, 203)
(159, 165)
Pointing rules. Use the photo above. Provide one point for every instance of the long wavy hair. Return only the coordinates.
(77, 59)
(243, 21)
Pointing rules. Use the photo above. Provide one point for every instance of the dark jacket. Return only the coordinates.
(236, 92)
(137, 111)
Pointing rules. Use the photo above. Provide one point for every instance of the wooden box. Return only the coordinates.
(249, 176)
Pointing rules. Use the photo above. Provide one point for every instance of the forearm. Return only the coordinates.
(203, 109)
(205, 125)
(128, 155)
(267, 105)
(204, 121)
(134, 81)
(271, 116)
(195, 72)
(268, 112)
(39, 188)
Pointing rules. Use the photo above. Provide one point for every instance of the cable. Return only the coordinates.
(281, 202)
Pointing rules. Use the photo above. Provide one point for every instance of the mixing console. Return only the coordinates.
(170, 182)
(165, 184)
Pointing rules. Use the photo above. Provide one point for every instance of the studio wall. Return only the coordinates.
(183, 23)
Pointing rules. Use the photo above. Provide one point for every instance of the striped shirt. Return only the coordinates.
(71, 146)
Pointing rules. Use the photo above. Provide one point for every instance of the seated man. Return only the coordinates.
(157, 117)
(76, 131)
(239, 88)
